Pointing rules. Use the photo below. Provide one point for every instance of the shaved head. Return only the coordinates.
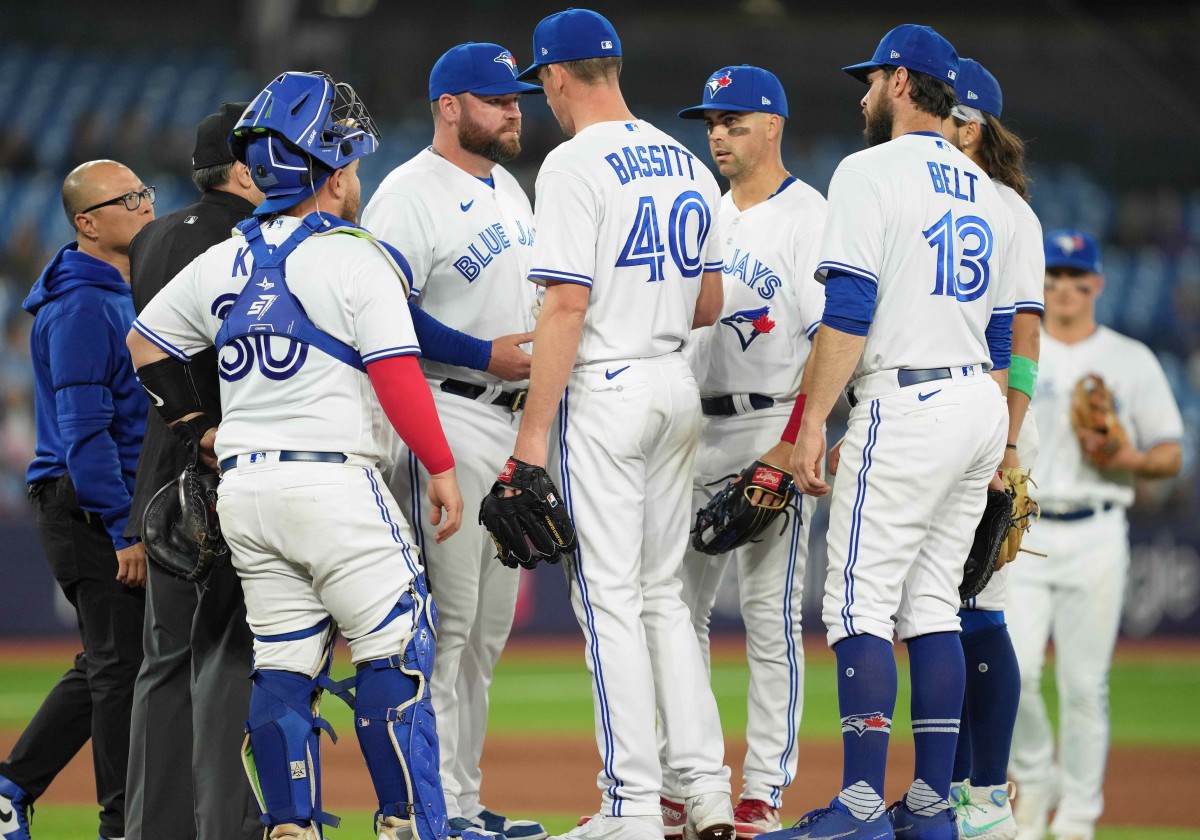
(93, 182)
(106, 229)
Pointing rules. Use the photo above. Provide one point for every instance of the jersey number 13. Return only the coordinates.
(976, 237)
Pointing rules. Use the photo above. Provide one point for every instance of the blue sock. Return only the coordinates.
(993, 689)
(962, 748)
(936, 670)
(866, 700)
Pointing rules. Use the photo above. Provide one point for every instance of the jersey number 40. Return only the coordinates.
(943, 235)
(685, 236)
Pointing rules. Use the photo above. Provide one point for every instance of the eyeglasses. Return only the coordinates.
(131, 200)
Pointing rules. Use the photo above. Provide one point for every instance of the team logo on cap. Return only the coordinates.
(749, 324)
(507, 60)
(716, 83)
(1069, 244)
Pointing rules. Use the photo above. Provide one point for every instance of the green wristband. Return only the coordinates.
(1022, 375)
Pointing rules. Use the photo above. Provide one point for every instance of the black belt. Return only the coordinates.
(909, 377)
(513, 400)
(725, 406)
(288, 455)
(1078, 513)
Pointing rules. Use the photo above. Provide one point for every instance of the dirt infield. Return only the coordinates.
(558, 775)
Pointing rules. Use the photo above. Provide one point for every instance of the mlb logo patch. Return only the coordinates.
(606, 45)
(191, 220)
(258, 457)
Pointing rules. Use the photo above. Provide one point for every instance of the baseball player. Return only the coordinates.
(309, 316)
(980, 793)
(769, 227)
(466, 228)
(624, 214)
(1074, 595)
(917, 311)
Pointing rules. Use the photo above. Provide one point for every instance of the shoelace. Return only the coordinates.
(811, 817)
(753, 812)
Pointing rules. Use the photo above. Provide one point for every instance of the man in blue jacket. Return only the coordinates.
(91, 414)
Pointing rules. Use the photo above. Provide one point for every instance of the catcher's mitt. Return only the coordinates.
(531, 526)
(180, 528)
(990, 535)
(1094, 419)
(1025, 511)
(729, 520)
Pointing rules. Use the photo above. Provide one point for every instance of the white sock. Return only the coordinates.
(923, 801)
(862, 801)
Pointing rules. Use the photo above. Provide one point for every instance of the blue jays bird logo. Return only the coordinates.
(749, 324)
(1069, 244)
(717, 83)
(874, 722)
(507, 60)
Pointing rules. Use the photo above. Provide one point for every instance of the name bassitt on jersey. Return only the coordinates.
(627, 210)
(917, 218)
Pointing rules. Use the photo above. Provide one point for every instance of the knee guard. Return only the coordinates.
(394, 721)
(282, 752)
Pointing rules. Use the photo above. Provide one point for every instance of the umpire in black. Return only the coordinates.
(193, 692)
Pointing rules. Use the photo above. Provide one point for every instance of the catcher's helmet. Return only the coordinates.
(296, 132)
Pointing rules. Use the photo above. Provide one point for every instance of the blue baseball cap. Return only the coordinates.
(1071, 248)
(977, 88)
(918, 48)
(741, 88)
(484, 69)
(570, 36)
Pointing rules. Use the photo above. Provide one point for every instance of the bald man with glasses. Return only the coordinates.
(91, 414)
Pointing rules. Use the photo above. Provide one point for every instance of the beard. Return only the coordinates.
(350, 208)
(879, 124)
(474, 139)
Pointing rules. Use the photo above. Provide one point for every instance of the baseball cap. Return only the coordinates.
(570, 36)
(918, 48)
(1072, 248)
(212, 136)
(741, 88)
(977, 89)
(485, 69)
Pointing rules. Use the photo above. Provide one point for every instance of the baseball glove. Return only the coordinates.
(1025, 511)
(729, 520)
(990, 535)
(180, 528)
(530, 526)
(1094, 419)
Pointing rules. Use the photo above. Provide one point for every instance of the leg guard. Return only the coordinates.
(282, 750)
(394, 720)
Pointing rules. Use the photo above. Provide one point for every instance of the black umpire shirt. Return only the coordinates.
(159, 252)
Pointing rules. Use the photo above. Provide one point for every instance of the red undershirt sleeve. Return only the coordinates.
(408, 404)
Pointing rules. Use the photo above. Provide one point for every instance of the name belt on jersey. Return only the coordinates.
(515, 400)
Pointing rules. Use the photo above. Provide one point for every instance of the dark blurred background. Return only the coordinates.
(1106, 100)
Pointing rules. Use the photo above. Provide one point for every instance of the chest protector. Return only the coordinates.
(266, 306)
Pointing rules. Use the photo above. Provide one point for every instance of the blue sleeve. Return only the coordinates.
(849, 302)
(999, 340)
(447, 345)
(81, 371)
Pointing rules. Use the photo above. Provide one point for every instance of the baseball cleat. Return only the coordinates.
(709, 817)
(674, 816)
(834, 823)
(1032, 813)
(510, 829)
(467, 830)
(604, 827)
(15, 809)
(752, 817)
(909, 826)
(984, 813)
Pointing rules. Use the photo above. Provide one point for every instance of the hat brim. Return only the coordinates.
(497, 89)
(861, 71)
(696, 112)
(1073, 262)
(530, 72)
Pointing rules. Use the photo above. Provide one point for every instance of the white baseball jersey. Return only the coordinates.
(472, 237)
(277, 394)
(1144, 405)
(627, 189)
(916, 217)
(1026, 253)
(773, 303)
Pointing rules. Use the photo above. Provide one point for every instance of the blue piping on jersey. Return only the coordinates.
(846, 268)
(161, 343)
(397, 536)
(560, 276)
(593, 642)
(414, 503)
(387, 353)
(794, 674)
(856, 518)
(787, 182)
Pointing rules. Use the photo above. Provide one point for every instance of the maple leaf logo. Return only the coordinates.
(763, 324)
(716, 83)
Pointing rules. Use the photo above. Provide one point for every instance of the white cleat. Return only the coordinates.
(709, 817)
(984, 813)
(604, 827)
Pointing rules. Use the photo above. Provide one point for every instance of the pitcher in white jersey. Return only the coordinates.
(466, 229)
(918, 310)
(316, 353)
(1074, 594)
(980, 792)
(769, 226)
(625, 249)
